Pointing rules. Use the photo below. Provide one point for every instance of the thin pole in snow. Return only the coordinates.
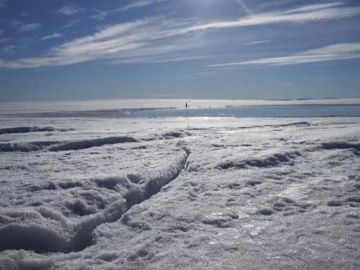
(187, 115)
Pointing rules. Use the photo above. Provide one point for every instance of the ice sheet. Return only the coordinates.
(223, 193)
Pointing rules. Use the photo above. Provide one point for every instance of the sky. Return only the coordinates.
(226, 49)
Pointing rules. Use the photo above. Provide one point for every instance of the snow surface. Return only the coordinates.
(224, 193)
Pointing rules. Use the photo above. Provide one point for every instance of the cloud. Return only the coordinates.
(2, 3)
(8, 49)
(159, 59)
(334, 52)
(157, 39)
(52, 36)
(101, 14)
(29, 27)
(135, 4)
(128, 42)
(16, 23)
(304, 14)
(244, 6)
(68, 10)
(258, 42)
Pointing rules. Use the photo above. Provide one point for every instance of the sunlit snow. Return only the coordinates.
(161, 193)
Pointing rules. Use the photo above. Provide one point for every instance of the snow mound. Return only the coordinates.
(25, 147)
(340, 145)
(173, 135)
(84, 230)
(302, 123)
(63, 146)
(83, 144)
(271, 160)
(24, 130)
(43, 230)
(31, 237)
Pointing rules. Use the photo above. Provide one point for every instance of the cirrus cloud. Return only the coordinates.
(333, 52)
(160, 38)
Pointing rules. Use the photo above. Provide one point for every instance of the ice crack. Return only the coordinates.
(43, 240)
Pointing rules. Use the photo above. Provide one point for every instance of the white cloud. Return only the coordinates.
(158, 59)
(135, 4)
(144, 39)
(258, 42)
(69, 10)
(332, 52)
(29, 27)
(156, 38)
(101, 14)
(52, 36)
(304, 14)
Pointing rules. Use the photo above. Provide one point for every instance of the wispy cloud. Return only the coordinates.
(4, 40)
(102, 14)
(135, 4)
(2, 3)
(68, 10)
(29, 27)
(157, 39)
(52, 36)
(138, 41)
(334, 52)
(258, 42)
(158, 59)
(244, 7)
(304, 14)
(8, 49)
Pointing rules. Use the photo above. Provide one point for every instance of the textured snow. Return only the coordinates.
(224, 193)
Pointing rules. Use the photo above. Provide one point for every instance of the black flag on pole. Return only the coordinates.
(187, 114)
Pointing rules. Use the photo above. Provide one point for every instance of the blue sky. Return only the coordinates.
(91, 49)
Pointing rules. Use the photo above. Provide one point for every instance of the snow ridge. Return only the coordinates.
(340, 145)
(63, 146)
(43, 240)
(83, 144)
(25, 130)
(271, 160)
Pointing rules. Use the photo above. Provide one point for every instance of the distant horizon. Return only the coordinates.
(181, 98)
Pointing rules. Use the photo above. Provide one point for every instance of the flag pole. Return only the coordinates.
(187, 115)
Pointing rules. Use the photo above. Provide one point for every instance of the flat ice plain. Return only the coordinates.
(87, 191)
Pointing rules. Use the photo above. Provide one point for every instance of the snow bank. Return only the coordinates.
(83, 231)
(83, 144)
(45, 230)
(25, 147)
(25, 130)
(261, 162)
(63, 146)
(31, 237)
(340, 145)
